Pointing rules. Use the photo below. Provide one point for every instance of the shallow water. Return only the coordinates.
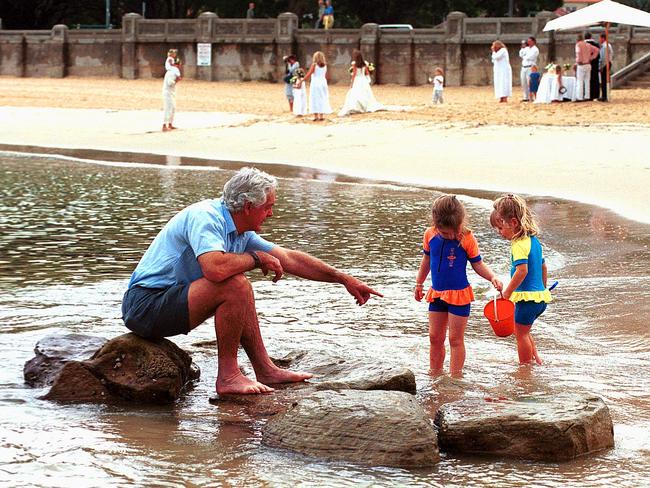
(72, 232)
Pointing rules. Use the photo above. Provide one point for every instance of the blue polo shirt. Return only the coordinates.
(172, 257)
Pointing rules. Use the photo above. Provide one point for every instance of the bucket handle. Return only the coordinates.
(496, 314)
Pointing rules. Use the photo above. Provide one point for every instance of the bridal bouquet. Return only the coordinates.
(298, 75)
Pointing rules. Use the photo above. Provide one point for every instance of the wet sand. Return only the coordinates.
(591, 152)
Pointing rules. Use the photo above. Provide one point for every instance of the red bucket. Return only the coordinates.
(501, 314)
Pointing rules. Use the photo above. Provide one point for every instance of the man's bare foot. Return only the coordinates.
(278, 375)
(171, 127)
(165, 128)
(240, 385)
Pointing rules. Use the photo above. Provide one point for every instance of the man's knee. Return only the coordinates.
(238, 285)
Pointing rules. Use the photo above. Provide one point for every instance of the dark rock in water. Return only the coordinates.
(53, 351)
(377, 428)
(330, 373)
(126, 368)
(540, 428)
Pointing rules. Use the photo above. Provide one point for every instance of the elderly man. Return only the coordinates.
(194, 269)
(585, 54)
(528, 53)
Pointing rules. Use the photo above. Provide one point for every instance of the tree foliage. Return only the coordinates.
(43, 14)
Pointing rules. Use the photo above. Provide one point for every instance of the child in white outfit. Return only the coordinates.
(438, 82)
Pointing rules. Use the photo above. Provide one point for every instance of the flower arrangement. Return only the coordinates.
(370, 66)
(298, 75)
(551, 68)
(566, 67)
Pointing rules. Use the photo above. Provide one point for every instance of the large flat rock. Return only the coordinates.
(330, 373)
(540, 428)
(377, 428)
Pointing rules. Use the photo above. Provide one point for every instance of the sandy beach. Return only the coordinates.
(591, 152)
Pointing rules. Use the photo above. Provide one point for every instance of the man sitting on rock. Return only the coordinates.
(195, 267)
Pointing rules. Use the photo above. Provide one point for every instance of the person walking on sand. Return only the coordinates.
(515, 222)
(447, 247)
(195, 269)
(172, 76)
(502, 71)
(359, 98)
(319, 96)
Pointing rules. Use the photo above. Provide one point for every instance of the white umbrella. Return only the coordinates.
(605, 11)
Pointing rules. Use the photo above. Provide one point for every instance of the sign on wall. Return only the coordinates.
(203, 54)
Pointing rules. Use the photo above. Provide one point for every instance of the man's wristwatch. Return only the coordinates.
(256, 259)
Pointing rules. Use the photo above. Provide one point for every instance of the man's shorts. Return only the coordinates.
(438, 305)
(526, 312)
(153, 313)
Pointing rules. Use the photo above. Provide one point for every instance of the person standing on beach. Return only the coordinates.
(195, 269)
(605, 68)
(319, 95)
(502, 71)
(528, 54)
(172, 76)
(292, 65)
(594, 80)
(585, 53)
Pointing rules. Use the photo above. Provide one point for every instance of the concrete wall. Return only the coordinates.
(253, 49)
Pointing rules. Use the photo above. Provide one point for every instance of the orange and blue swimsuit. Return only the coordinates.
(448, 262)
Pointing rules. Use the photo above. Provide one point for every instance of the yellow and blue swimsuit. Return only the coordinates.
(531, 296)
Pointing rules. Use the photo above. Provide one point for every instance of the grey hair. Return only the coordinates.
(248, 185)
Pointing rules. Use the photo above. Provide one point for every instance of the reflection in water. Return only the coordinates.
(72, 233)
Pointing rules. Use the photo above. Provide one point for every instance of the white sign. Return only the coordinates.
(203, 54)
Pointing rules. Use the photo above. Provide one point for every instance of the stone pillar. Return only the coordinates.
(58, 43)
(624, 34)
(454, 62)
(545, 40)
(129, 46)
(286, 26)
(207, 28)
(369, 46)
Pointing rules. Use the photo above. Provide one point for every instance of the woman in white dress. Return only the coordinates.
(319, 96)
(502, 71)
(360, 98)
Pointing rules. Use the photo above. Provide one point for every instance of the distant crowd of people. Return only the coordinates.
(593, 64)
(324, 16)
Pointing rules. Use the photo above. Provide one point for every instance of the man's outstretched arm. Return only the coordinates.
(306, 266)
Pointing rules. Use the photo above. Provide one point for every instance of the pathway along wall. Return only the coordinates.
(245, 50)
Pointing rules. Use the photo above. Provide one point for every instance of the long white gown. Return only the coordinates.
(360, 98)
(300, 100)
(502, 73)
(319, 95)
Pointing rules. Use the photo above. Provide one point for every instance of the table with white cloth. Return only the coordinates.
(549, 89)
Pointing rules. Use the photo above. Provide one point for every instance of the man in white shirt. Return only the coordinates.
(606, 52)
(528, 54)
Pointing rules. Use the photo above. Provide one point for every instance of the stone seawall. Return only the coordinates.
(240, 49)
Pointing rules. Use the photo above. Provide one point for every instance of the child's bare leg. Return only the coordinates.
(524, 343)
(457, 326)
(536, 357)
(437, 335)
